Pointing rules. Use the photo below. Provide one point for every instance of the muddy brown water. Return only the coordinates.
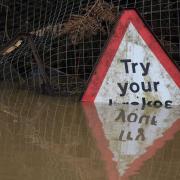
(55, 138)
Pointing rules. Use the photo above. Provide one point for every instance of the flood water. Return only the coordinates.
(53, 138)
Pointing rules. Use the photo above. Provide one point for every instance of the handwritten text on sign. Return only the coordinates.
(145, 86)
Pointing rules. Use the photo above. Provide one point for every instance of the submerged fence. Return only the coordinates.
(52, 45)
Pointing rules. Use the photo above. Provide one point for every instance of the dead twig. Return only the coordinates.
(89, 23)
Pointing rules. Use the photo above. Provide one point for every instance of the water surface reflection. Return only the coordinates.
(52, 138)
(127, 136)
(45, 138)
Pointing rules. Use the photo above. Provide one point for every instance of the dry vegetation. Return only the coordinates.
(88, 23)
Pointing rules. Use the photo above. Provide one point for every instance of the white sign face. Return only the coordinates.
(134, 73)
(138, 72)
(132, 135)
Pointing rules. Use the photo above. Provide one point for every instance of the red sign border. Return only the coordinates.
(104, 62)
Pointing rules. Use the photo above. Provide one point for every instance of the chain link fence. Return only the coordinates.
(51, 46)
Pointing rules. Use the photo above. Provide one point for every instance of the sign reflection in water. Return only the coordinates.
(127, 135)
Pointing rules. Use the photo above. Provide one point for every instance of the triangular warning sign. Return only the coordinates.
(127, 136)
(134, 68)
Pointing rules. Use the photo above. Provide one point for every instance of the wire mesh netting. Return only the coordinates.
(52, 45)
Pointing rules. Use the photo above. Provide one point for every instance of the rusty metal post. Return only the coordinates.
(38, 61)
(46, 84)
